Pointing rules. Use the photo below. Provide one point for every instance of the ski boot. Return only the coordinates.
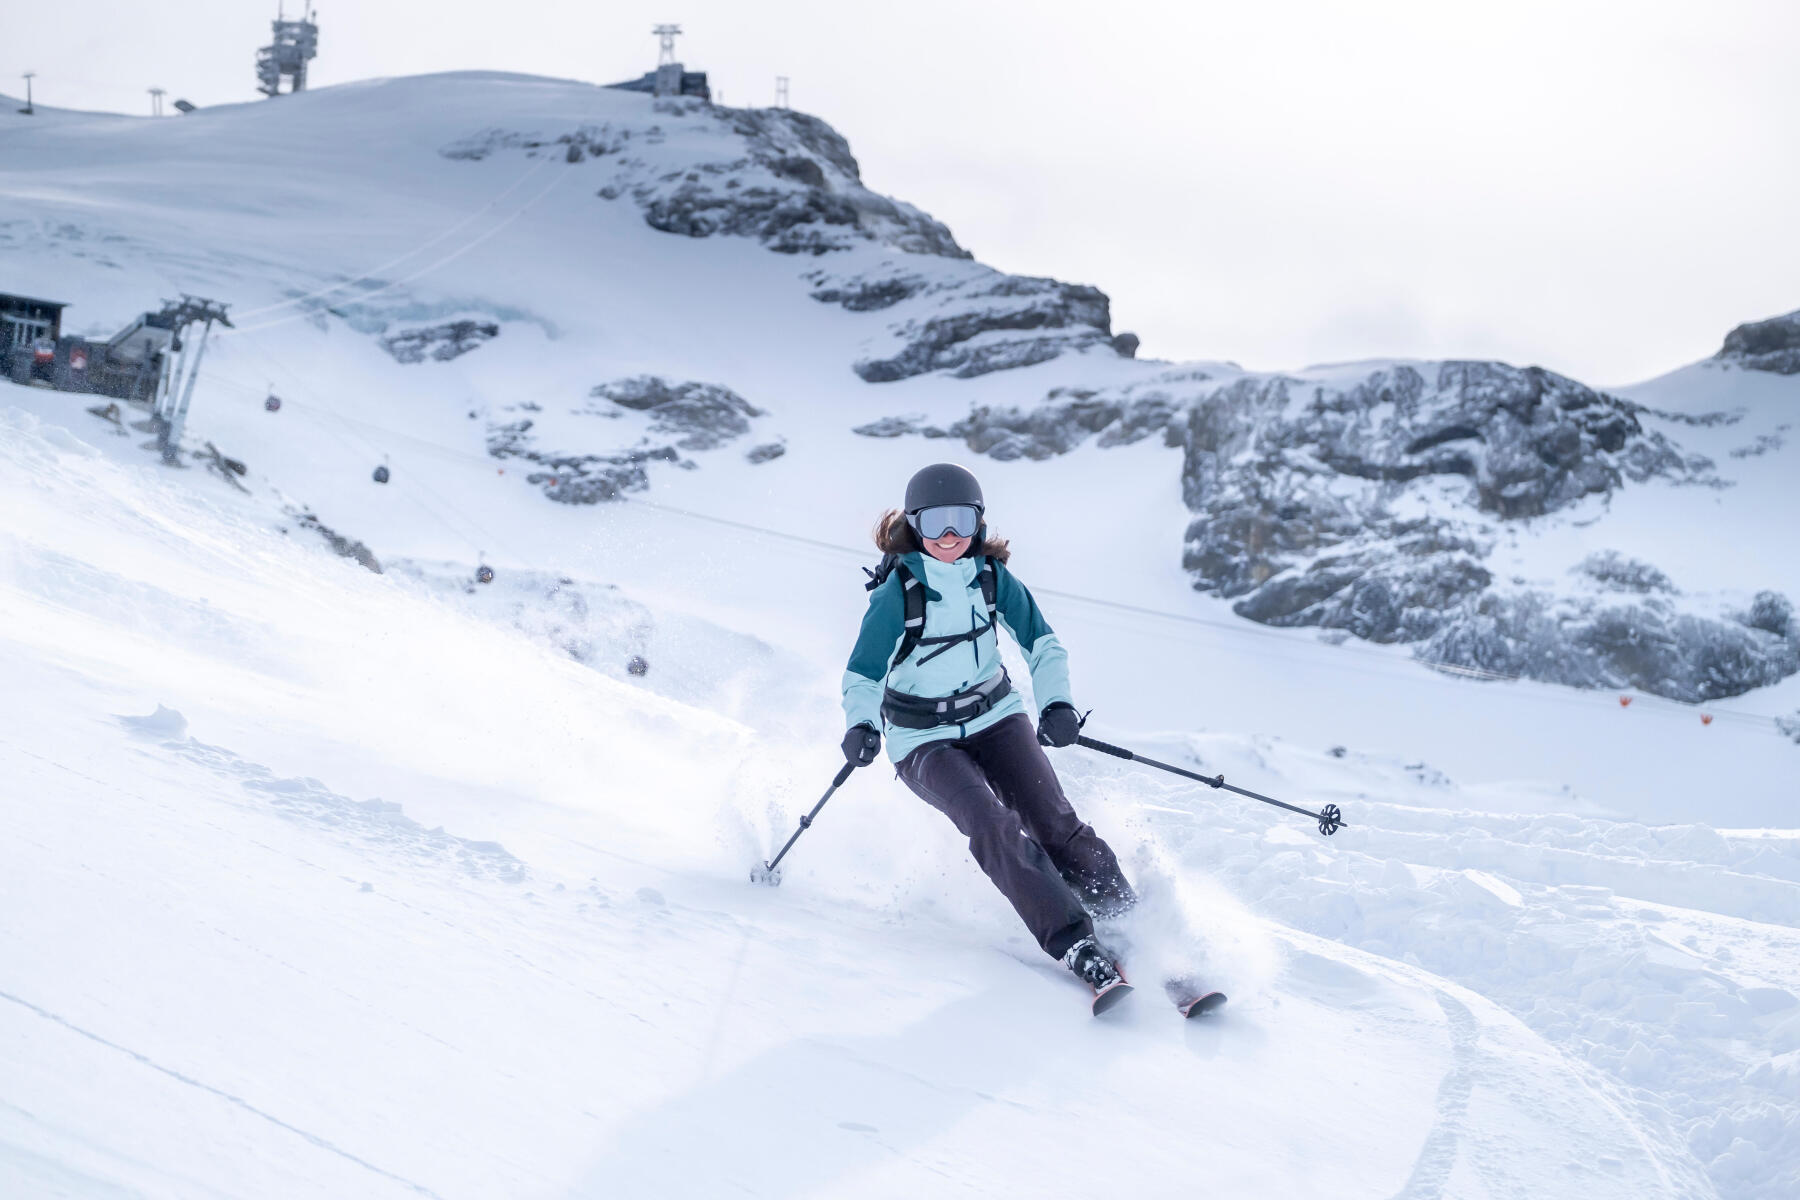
(1094, 966)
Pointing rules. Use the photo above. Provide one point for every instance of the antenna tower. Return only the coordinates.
(28, 110)
(666, 45)
(156, 95)
(296, 44)
(781, 91)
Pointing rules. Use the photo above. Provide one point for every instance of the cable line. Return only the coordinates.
(425, 270)
(429, 242)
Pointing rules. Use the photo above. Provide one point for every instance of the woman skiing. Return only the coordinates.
(926, 671)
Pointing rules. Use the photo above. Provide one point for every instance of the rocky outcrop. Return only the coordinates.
(1279, 471)
(342, 546)
(1647, 645)
(574, 478)
(699, 416)
(1615, 572)
(783, 177)
(440, 342)
(767, 452)
(790, 181)
(676, 417)
(968, 321)
(1068, 417)
(1015, 322)
(1771, 345)
(1371, 504)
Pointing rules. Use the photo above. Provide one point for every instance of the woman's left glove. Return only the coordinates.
(1058, 725)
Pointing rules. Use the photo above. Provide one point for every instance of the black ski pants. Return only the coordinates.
(998, 787)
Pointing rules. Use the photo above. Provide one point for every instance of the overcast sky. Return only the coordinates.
(1599, 187)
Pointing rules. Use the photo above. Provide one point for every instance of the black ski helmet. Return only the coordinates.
(942, 483)
(945, 483)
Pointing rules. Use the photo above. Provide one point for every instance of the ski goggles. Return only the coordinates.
(933, 523)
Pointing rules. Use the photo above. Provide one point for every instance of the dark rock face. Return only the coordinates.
(1273, 471)
(1125, 345)
(1771, 612)
(785, 221)
(1370, 594)
(1004, 322)
(577, 478)
(701, 416)
(860, 294)
(968, 320)
(1614, 571)
(1771, 345)
(686, 416)
(1067, 418)
(892, 427)
(441, 342)
(767, 452)
(784, 178)
(344, 547)
(797, 189)
(1646, 645)
(1372, 506)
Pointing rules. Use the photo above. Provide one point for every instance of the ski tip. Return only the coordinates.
(1202, 1005)
(1109, 996)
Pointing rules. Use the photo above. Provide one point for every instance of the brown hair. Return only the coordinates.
(894, 536)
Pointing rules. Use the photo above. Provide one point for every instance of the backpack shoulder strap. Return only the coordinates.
(912, 595)
(990, 588)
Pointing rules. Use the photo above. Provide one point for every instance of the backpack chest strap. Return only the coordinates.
(913, 608)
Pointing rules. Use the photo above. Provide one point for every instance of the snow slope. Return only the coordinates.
(533, 966)
(1553, 952)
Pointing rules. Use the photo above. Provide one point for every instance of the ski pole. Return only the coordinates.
(767, 872)
(1329, 818)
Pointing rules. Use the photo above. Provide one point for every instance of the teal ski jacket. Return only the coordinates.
(954, 604)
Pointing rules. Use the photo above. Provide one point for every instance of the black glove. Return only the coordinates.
(1059, 725)
(860, 744)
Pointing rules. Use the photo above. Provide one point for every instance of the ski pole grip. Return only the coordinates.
(1103, 747)
(842, 775)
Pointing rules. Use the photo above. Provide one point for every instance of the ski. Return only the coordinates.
(1191, 999)
(1110, 995)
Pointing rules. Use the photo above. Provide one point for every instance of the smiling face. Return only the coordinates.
(948, 548)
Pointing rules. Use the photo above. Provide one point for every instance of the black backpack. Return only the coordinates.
(913, 593)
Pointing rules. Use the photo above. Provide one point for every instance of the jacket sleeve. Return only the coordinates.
(1044, 654)
(866, 675)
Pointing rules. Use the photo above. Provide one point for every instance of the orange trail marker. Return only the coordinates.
(1706, 718)
(1624, 701)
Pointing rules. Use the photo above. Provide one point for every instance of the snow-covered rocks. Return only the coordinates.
(789, 180)
(439, 342)
(970, 320)
(1372, 501)
(1771, 345)
(668, 418)
(700, 416)
(785, 178)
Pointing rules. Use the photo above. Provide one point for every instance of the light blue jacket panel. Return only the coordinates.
(954, 605)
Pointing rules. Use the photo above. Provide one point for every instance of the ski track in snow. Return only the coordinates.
(1438, 1155)
(238, 1101)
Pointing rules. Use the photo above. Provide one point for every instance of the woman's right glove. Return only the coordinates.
(860, 744)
